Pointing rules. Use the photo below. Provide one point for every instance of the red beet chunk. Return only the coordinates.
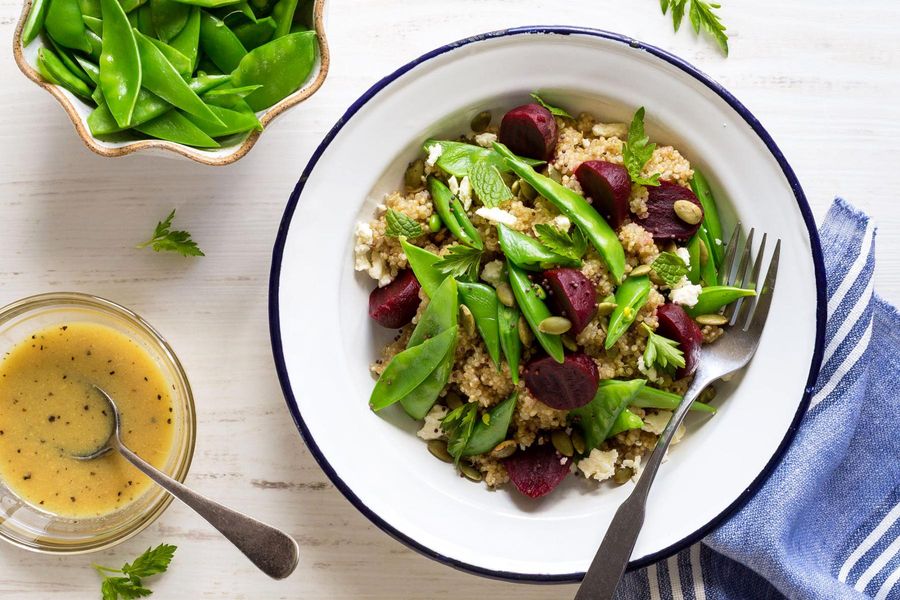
(395, 304)
(536, 471)
(609, 186)
(661, 219)
(573, 295)
(563, 386)
(530, 130)
(675, 324)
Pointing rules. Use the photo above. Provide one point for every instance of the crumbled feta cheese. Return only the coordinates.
(634, 465)
(586, 143)
(679, 433)
(431, 430)
(610, 130)
(650, 373)
(493, 272)
(655, 422)
(465, 193)
(562, 222)
(718, 242)
(684, 255)
(599, 464)
(364, 238)
(377, 271)
(497, 215)
(434, 153)
(453, 184)
(685, 293)
(486, 139)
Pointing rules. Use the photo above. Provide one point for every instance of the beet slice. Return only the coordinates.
(573, 294)
(530, 130)
(395, 304)
(675, 324)
(564, 386)
(536, 471)
(661, 220)
(609, 186)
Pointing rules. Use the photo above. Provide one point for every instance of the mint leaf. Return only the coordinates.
(401, 225)
(662, 352)
(555, 110)
(458, 158)
(637, 151)
(460, 261)
(669, 267)
(459, 425)
(562, 242)
(489, 187)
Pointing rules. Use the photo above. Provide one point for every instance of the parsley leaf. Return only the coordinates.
(174, 241)
(661, 351)
(701, 15)
(488, 184)
(460, 261)
(637, 151)
(561, 242)
(669, 267)
(459, 425)
(401, 225)
(152, 562)
(554, 110)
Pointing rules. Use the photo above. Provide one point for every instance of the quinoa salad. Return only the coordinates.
(552, 279)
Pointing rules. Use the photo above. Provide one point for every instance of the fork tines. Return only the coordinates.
(749, 312)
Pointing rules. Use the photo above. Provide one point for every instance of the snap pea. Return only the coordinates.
(90, 8)
(597, 418)
(510, 343)
(121, 71)
(255, 33)
(693, 247)
(175, 127)
(715, 297)
(630, 297)
(96, 45)
(145, 20)
(63, 23)
(54, 71)
(577, 209)
(181, 62)
(168, 17)
(89, 68)
(529, 253)
(220, 44)
(534, 311)
(130, 6)
(482, 301)
(710, 216)
(709, 274)
(455, 219)
(93, 23)
(233, 121)
(457, 158)
(422, 261)
(210, 3)
(651, 397)
(187, 42)
(486, 436)
(227, 96)
(68, 59)
(283, 13)
(280, 66)
(35, 21)
(408, 369)
(624, 421)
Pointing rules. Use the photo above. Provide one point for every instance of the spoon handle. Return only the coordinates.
(275, 553)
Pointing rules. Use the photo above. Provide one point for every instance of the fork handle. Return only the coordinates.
(602, 578)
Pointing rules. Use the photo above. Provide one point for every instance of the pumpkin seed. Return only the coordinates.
(639, 270)
(555, 325)
(504, 449)
(435, 223)
(414, 177)
(704, 252)
(707, 395)
(468, 320)
(481, 121)
(526, 192)
(514, 188)
(525, 335)
(604, 309)
(569, 342)
(688, 212)
(505, 294)
(438, 449)
(453, 400)
(562, 442)
(470, 472)
(578, 442)
(713, 319)
(623, 475)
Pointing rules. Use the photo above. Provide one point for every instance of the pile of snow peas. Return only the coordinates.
(194, 72)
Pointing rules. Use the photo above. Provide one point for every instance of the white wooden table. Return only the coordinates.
(823, 77)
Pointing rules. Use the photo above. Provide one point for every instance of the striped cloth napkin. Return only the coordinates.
(826, 525)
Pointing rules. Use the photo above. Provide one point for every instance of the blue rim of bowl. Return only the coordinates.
(761, 478)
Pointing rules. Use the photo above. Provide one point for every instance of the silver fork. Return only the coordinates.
(731, 352)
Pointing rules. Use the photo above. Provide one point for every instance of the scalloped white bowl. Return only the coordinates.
(323, 340)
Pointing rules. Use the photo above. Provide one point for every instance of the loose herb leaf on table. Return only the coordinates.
(173, 241)
(129, 585)
(401, 225)
(701, 14)
(637, 151)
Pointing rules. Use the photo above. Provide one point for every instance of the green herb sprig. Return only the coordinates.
(669, 267)
(460, 261)
(571, 245)
(459, 425)
(702, 15)
(399, 224)
(129, 584)
(637, 151)
(172, 241)
(554, 110)
(662, 352)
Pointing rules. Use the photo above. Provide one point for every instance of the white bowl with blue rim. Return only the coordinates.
(324, 341)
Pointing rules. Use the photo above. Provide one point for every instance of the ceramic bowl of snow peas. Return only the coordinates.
(198, 78)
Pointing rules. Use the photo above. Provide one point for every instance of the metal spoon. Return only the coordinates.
(275, 553)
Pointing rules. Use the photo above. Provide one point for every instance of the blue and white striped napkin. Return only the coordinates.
(827, 522)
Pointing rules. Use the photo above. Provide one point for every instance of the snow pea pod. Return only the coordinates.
(90, 8)
(54, 71)
(408, 369)
(693, 247)
(280, 66)
(528, 252)
(574, 206)
(482, 301)
(219, 43)
(255, 34)
(486, 436)
(35, 21)
(181, 62)
(709, 274)
(63, 23)
(457, 158)
(422, 261)
(233, 121)
(89, 68)
(161, 78)
(630, 297)
(96, 45)
(597, 418)
(710, 216)
(715, 297)
(283, 13)
(455, 220)
(625, 421)
(168, 17)
(130, 6)
(535, 311)
(121, 71)
(93, 23)
(210, 3)
(175, 127)
(187, 42)
(651, 397)
(510, 343)
(68, 59)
